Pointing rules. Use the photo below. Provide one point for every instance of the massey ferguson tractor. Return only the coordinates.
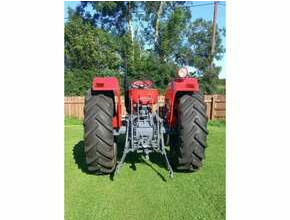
(180, 123)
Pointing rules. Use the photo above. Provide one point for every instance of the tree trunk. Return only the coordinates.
(130, 52)
(157, 26)
(130, 24)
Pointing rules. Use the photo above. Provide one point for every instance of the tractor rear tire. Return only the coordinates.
(100, 150)
(191, 135)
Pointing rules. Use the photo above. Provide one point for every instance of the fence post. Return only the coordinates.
(213, 99)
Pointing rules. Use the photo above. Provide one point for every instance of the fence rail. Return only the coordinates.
(216, 106)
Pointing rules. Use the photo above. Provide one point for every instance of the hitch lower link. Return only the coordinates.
(130, 147)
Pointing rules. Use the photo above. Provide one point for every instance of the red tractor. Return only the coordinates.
(182, 121)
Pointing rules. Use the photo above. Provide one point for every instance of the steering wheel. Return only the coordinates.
(141, 84)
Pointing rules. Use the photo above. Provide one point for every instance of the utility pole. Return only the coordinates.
(214, 31)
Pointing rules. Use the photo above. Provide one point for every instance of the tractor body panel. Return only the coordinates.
(110, 84)
(144, 96)
(179, 85)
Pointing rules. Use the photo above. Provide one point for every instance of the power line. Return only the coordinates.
(192, 5)
(204, 4)
(196, 5)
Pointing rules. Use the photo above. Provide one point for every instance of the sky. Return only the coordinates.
(205, 11)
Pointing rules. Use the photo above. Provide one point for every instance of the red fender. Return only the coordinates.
(110, 84)
(185, 85)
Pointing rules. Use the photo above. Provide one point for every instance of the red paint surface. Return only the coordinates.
(111, 84)
(178, 85)
(144, 96)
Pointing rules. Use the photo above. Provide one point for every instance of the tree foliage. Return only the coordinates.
(89, 48)
(199, 38)
(173, 35)
(149, 40)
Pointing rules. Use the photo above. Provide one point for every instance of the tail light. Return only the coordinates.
(183, 72)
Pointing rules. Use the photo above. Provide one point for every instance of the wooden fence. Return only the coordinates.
(216, 106)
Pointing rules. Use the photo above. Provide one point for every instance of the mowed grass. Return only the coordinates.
(143, 190)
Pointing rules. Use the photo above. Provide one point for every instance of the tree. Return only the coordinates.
(87, 47)
(116, 18)
(107, 40)
(173, 34)
(154, 12)
(199, 52)
(89, 52)
(157, 15)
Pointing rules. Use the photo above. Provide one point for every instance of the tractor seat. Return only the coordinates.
(142, 84)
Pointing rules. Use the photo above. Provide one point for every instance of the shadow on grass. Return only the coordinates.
(131, 158)
(80, 157)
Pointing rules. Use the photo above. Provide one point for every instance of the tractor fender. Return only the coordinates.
(110, 85)
(174, 90)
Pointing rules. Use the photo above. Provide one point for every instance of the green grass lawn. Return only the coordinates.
(144, 190)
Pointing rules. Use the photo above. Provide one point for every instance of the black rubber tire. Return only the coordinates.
(100, 150)
(189, 140)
